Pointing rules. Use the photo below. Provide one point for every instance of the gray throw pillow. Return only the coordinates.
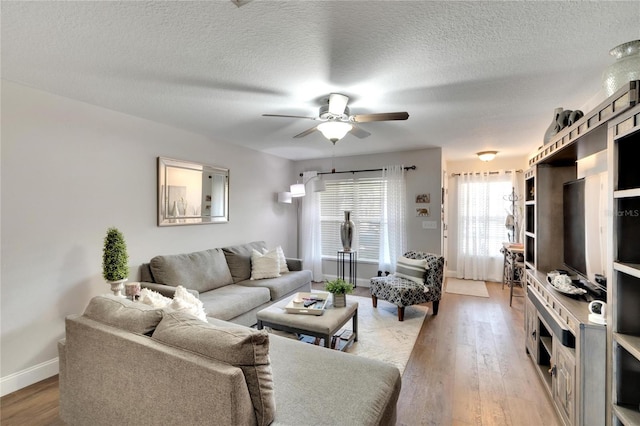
(239, 346)
(239, 259)
(123, 313)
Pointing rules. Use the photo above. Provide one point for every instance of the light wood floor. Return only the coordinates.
(468, 367)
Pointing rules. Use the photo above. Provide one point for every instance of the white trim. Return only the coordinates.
(450, 273)
(361, 282)
(29, 376)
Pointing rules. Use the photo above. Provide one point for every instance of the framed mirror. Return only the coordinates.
(191, 193)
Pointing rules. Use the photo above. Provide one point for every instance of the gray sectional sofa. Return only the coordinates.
(220, 277)
(126, 363)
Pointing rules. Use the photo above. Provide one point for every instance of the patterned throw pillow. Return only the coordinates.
(264, 265)
(411, 269)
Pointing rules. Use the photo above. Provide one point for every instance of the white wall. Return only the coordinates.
(70, 170)
(454, 167)
(427, 178)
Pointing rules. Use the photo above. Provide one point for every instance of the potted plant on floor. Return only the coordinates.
(115, 261)
(339, 289)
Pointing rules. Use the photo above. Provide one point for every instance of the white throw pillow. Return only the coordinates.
(182, 301)
(264, 265)
(411, 269)
(281, 259)
(153, 298)
(187, 302)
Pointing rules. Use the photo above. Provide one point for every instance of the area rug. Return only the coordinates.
(466, 287)
(380, 335)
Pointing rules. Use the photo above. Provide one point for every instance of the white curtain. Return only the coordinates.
(483, 204)
(310, 242)
(392, 218)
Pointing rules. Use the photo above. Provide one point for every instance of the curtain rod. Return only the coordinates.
(333, 172)
(479, 173)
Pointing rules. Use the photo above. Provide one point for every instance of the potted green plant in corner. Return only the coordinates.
(339, 289)
(115, 261)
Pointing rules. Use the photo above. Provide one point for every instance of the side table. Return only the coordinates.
(350, 258)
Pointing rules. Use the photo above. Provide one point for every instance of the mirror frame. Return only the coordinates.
(164, 219)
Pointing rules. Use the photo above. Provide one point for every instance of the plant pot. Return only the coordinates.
(339, 300)
(117, 287)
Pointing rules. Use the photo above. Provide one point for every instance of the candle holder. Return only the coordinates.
(132, 290)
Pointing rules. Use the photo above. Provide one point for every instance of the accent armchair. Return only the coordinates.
(403, 292)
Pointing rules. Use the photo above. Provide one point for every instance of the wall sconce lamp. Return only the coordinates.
(486, 155)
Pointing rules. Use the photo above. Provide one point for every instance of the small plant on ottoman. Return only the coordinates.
(339, 289)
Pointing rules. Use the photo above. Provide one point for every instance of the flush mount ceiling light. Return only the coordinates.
(334, 130)
(486, 155)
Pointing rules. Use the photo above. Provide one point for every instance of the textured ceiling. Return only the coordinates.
(472, 75)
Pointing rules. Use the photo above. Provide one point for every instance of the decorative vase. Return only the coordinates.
(626, 68)
(346, 231)
(553, 128)
(132, 290)
(339, 300)
(117, 286)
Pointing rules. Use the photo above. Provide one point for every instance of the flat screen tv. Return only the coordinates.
(574, 238)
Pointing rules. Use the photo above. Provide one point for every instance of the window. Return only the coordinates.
(363, 197)
(483, 209)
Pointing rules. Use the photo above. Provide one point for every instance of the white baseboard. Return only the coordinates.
(450, 273)
(360, 282)
(31, 375)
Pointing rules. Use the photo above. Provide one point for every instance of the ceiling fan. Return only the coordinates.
(337, 120)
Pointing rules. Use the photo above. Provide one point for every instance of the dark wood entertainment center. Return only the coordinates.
(591, 371)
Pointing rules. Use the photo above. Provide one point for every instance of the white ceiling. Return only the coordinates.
(472, 75)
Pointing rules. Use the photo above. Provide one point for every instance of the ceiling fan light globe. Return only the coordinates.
(334, 130)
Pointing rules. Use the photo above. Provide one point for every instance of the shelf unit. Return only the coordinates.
(624, 283)
(530, 218)
(569, 353)
(583, 365)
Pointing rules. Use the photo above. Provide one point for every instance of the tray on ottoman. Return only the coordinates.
(296, 304)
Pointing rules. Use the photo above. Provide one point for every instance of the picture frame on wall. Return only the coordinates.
(423, 212)
(424, 198)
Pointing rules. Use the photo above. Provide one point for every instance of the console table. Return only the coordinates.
(348, 258)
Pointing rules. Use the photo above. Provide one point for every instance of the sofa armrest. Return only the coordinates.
(294, 264)
(166, 290)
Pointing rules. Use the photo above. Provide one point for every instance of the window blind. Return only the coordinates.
(364, 198)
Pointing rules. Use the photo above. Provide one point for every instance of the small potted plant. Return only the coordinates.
(339, 289)
(115, 261)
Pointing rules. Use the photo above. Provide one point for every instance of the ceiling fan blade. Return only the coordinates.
(289, 116)
(337, 103)
(306, 132)
(359, 132)
(383, 116)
